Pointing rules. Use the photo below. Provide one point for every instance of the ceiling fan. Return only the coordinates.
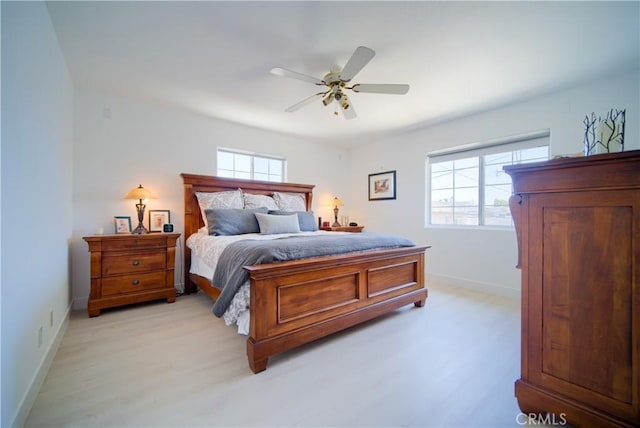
(335, 83)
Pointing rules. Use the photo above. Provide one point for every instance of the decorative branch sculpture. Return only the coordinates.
(604, 136)
(590, 140)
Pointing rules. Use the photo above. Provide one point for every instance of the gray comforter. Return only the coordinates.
(230, 274)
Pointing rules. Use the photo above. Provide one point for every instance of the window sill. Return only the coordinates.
(469, 227)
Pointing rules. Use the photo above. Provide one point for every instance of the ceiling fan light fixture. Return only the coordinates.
(347, 109)
(344, 102)
(328, 99)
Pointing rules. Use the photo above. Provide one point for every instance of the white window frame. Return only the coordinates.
(251, 174)
(480, 150)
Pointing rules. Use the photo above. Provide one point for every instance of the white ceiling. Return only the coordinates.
(458, 57)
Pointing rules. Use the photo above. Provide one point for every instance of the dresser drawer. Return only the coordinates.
(134, 243)
(132, 283)
(131, 263)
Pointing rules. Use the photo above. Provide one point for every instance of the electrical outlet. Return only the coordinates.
(50, 318)
(40, 337)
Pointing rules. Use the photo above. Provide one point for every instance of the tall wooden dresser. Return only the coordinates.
(578, 227)
(129, 269)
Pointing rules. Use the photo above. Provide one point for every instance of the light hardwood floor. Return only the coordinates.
(449, 364)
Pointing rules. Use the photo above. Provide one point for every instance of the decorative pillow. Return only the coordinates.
(290, 202)
(306, 219)
(271, 224)
(233, 221)
(258, 201)
(218, 200)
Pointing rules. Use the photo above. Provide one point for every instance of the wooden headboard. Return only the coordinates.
(205, 183)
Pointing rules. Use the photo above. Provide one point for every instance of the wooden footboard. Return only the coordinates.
(294, 303)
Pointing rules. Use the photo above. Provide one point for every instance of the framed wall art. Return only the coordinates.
(158, 218)
(382, 186)
(122, 224)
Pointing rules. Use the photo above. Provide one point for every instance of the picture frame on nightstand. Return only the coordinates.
(122, 224)
(157, 219)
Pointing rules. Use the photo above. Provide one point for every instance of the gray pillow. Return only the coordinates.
(306, 219)
(271, 224)
(233, 221)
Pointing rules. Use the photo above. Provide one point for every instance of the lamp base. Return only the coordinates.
(140, 230)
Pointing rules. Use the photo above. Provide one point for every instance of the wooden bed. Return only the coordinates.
(296, 302)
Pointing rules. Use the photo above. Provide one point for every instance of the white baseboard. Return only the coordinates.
(474, 285)
(179, 287)
(38, 378)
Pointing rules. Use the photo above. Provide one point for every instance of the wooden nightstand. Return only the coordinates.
(354, 229)
(129, 269)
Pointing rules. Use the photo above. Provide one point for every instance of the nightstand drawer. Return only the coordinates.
(132, 283)
(134, 243)
(131, 263)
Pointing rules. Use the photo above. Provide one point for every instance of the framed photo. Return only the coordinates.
(382, 186)
(158, 218)
(122, 224)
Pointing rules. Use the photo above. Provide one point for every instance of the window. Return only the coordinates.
(234, 164)
(469, 186)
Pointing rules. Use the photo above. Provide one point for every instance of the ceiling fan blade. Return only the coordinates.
(295, 75)
(381, 88)
(358, 60)
(347, 108)
(304, 102)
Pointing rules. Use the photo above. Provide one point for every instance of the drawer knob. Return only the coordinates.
(136, 262)
(135, 282)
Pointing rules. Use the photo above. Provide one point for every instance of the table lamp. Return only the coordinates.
(140, 193)
(336, 203)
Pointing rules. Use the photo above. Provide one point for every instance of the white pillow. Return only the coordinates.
(272, 224)
(216, 200)
(259, 201)
(290, 202)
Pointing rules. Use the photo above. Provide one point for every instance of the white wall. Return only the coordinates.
(37, 131)
(120, 144)
(474, 256)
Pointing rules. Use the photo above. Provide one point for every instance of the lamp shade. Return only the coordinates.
(139, 193)
(337, 202)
